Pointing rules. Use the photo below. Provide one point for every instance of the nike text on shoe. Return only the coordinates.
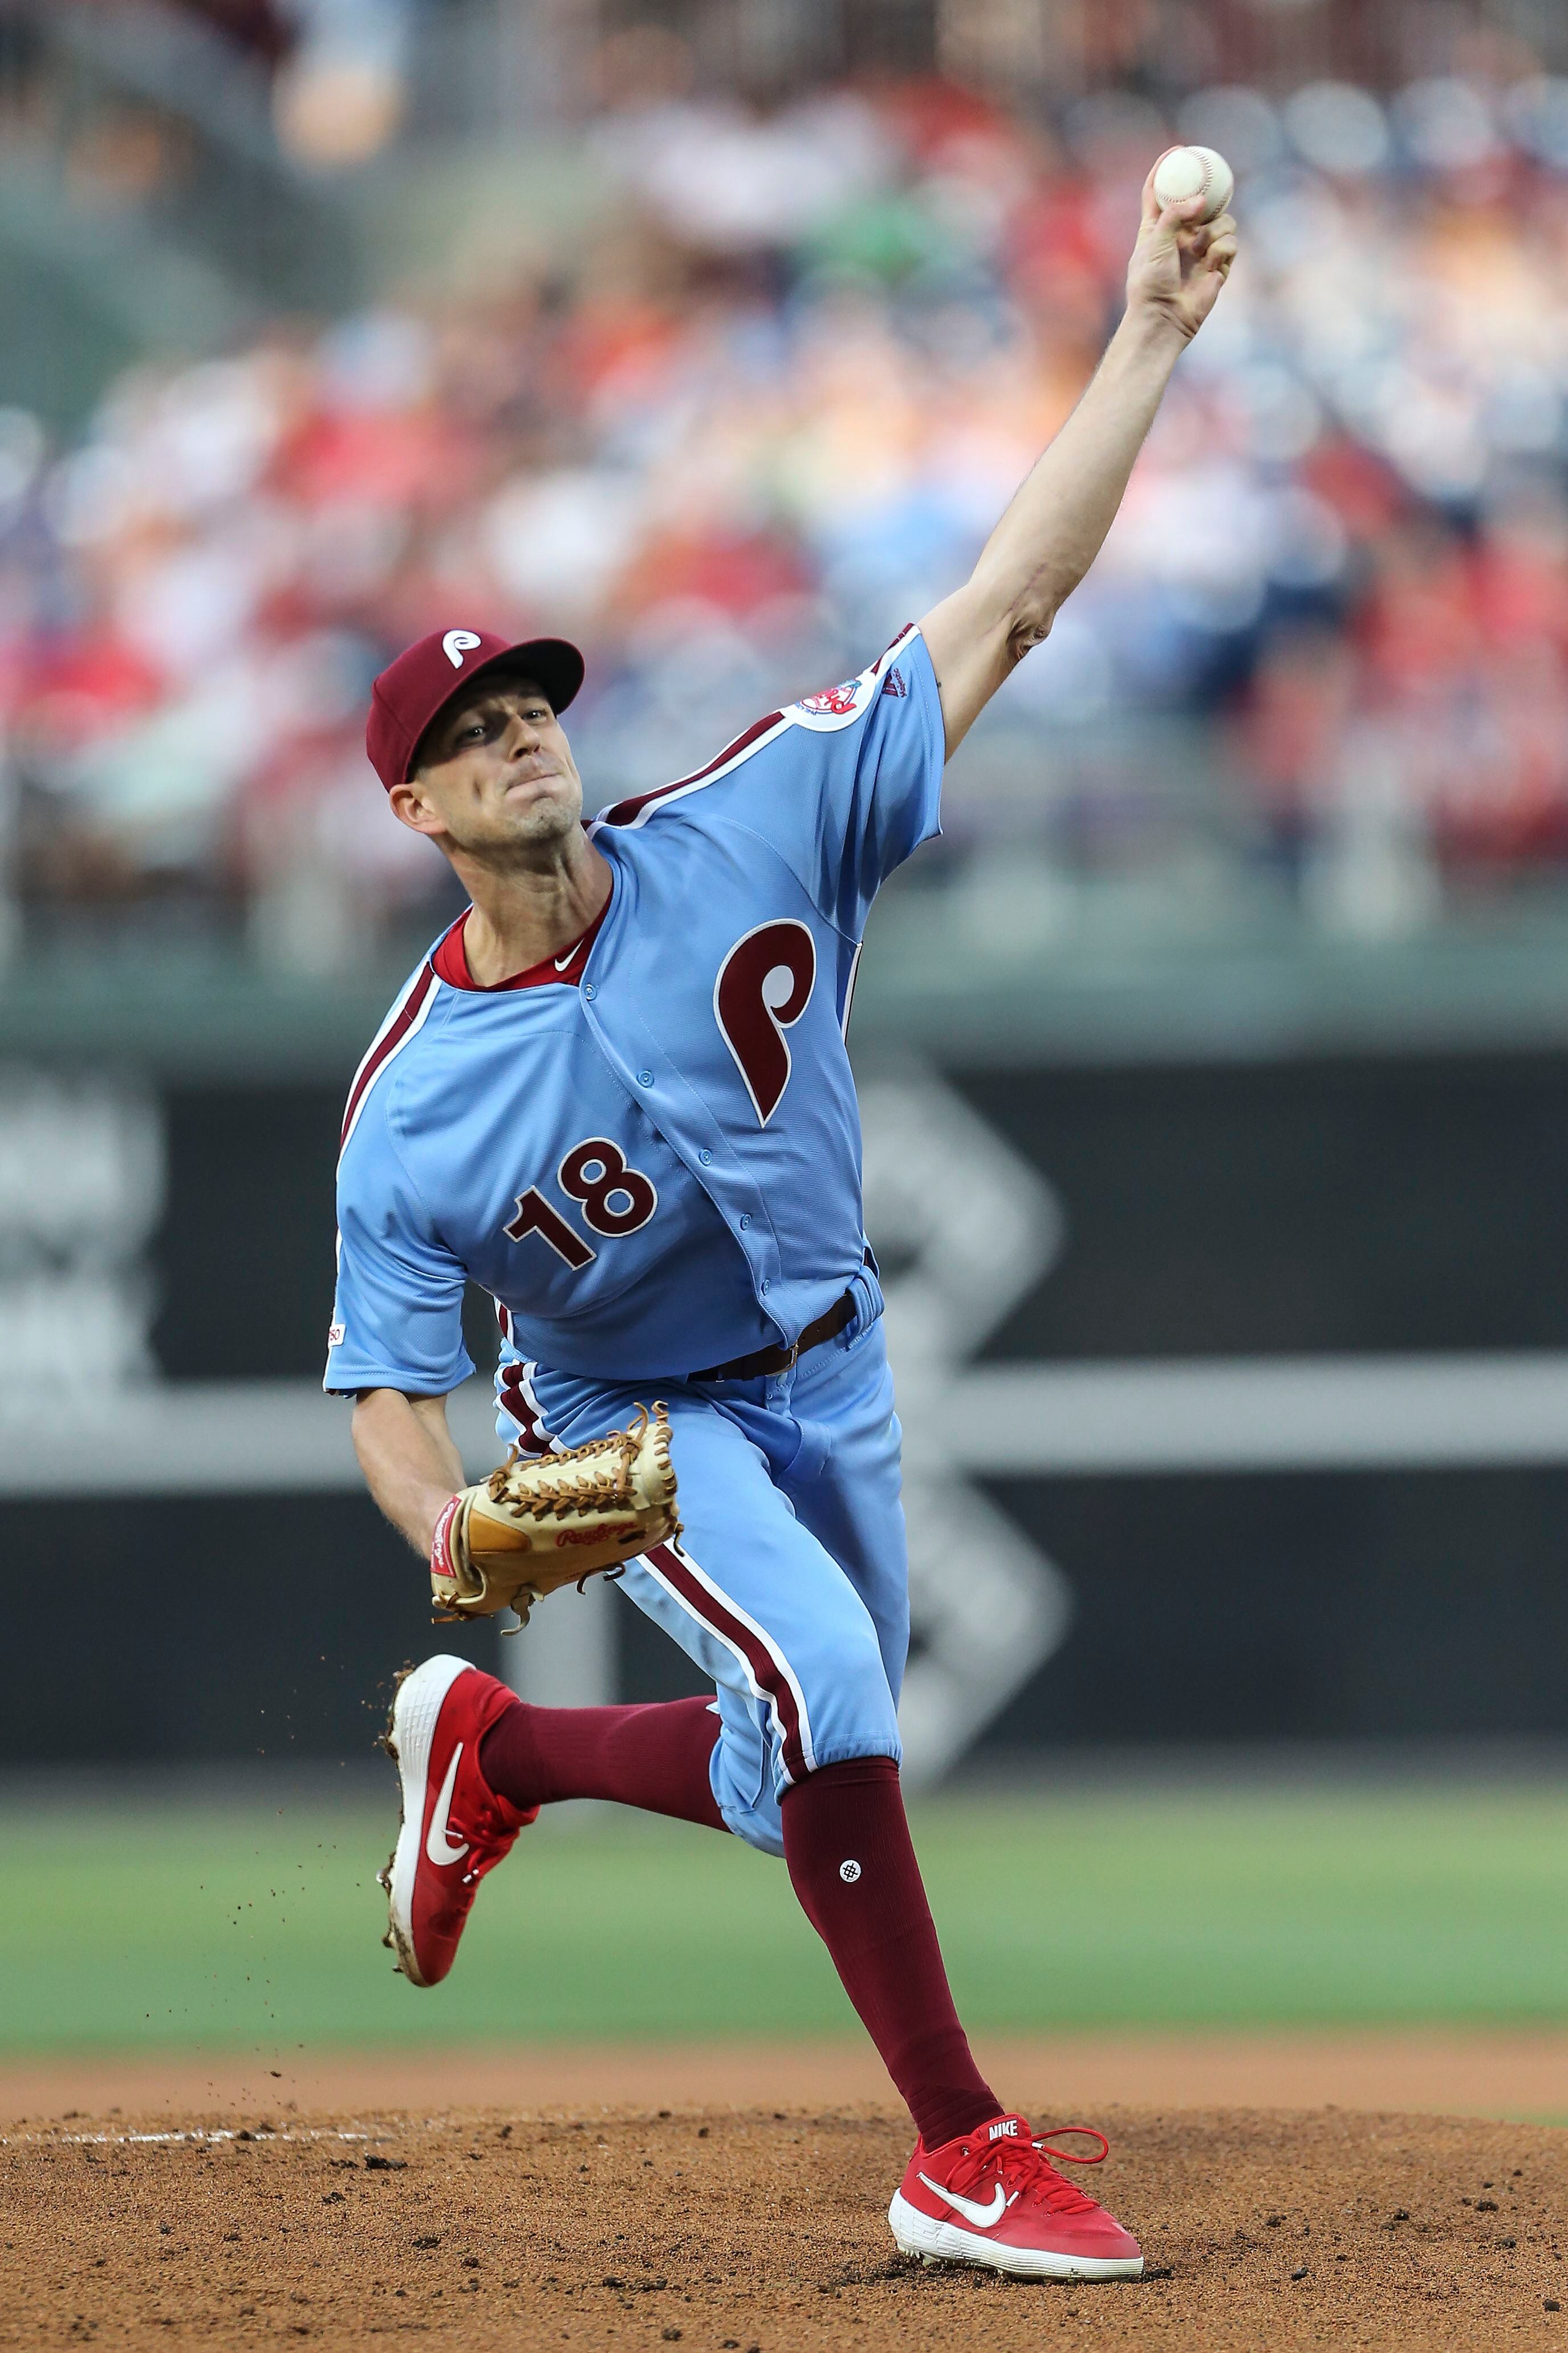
(454, 1827)
(995, 2197)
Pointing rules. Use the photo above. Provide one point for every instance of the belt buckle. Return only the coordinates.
(793, 1358)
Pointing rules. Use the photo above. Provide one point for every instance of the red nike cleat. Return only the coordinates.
(992, 2197)
(453, 1826)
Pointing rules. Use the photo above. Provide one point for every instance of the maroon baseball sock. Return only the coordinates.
(850, 1854)
(655, 1757)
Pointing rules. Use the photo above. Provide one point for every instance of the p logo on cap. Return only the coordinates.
(457, 643)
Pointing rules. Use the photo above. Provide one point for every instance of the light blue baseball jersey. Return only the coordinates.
(658, 1169)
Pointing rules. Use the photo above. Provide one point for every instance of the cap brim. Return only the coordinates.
(551, 663)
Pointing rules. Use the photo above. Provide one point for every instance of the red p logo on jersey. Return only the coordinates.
(763, 987)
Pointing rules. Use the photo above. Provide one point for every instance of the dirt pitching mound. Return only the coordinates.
(762, 2231)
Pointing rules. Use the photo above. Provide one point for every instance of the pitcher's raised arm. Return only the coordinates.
(1056, 523)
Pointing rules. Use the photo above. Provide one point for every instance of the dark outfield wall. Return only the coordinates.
(1416, 1205)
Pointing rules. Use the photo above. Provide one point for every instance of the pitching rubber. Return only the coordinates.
(409, 1736)
(945, 2242)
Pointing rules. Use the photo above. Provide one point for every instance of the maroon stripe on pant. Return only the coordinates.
(767, 1670)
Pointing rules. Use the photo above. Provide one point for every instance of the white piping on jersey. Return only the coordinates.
(849, 989)
(765, 1642)
(369, 1071)
(661, 796)
(834, 722)
(910, 629)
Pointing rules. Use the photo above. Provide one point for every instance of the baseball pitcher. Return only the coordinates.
(616, 1095)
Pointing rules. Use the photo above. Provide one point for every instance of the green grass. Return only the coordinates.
(246, 1926)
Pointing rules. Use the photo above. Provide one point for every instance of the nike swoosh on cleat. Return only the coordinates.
(437, 1845)
(970, 2209)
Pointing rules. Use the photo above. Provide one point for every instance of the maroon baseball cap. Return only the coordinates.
(411, 691)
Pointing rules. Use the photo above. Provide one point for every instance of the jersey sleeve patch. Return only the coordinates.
(832, 707)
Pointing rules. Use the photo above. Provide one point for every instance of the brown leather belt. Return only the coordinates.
(764, 1361)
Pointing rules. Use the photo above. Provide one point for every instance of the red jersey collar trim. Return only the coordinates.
(450, 962)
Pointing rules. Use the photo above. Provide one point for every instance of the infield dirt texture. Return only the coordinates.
(762, 2232)
(1220, 1965)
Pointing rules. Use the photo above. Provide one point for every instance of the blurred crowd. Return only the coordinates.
(763, 413)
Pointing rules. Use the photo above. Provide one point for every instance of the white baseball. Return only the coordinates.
(1194, 172)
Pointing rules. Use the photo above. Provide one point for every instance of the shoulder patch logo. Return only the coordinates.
(831, 701)
(894, 682)
(456, 644)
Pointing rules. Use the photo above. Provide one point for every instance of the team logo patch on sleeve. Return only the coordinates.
(832, 708)
(894, 682)
(831, 701)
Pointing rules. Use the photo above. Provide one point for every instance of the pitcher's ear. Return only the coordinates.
(410, 807)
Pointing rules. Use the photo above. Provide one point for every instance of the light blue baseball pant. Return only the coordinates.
(789, 1584)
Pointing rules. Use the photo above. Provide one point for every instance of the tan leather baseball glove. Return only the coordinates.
(554, 1519)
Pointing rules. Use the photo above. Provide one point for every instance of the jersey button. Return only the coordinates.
(705, 1157)
(767, 1285)
(645, 1078)
(591, 991)
(745, 1220)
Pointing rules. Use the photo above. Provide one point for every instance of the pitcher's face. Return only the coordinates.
(495, 776)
